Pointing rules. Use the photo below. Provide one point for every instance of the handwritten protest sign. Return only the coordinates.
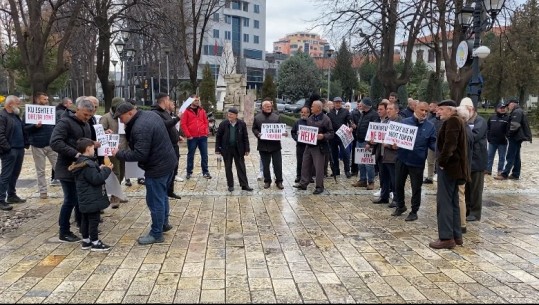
(401, 134)
(376, 132)
(345, 133)
(34, 114)
(100, 135)
(364, 156)
(307, 134)
(113, 142)
(272, 131)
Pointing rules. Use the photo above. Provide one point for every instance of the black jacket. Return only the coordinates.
(90, 181)
(363, 124)
(170, 124)
(61, 111)
(496, 128)
(479, 154)
(339, 119)
(149, 145)
(6, 130)
(64, 141)
(294, 132)
(265, 118)
(519, 127)
(223, 134)
(39, 136)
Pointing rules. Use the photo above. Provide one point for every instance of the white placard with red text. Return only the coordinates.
(345, 133)
(376, 132)
(307, 134)
(34, 114)
(113, 142)
(364, 156)
(401, 134)
(273, 132)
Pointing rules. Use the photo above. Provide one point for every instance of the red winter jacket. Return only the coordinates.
(193, 124)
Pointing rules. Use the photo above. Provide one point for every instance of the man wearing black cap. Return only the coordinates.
(518, 132)
(339, 116)
(366, 171)
(451, 150)
(150, 145)
(232, 142)
(496, 128)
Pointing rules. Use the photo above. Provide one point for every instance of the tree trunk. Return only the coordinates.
(103, 57)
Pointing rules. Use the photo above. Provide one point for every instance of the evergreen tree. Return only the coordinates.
(299, 77)
(377, 92)
(344, 72)
(269, 89)
(207, 88)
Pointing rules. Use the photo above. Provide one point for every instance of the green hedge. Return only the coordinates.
(289, 119)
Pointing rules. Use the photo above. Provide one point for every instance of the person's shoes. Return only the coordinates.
(463, 229)
(399, 211)
(297, 179)
(299, 186)
(207, 176)
(377, 193)
(247, 188)
(442, 244)
(178, 178)
(188, 176)
(267, 185)
(167, 227)
(124, 201)
(15, 199)
(472, 218)
(380, 200)
(100, 247)
(149, 239)
(501, 177)
(311, 181)
(5, 207)
(370, 186)
(69, 238)
(428, 181)
(85, 245)
(318, 191)
(260, 176)
(411, 217)
(128, 182)
(393, 204)
(279, 185)
(43, 196)
(511, 177)
(348, 175)
(174, 195)
(459, 241)
(230, 188)
(114, 202)
(55, 182)
(488, 173)
(360, 183)
(141, 181)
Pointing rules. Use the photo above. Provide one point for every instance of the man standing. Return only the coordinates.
(232, 142)
(518, 132)
(150, 146)
(62, 107)
(194, 125)
(366, 171)
(270, 150)
(339, 116)
(496, 129)
(409, 111)
(300, 147)
(453, 170)
(314, 154)
(67, 131)
(162, 109)
(13, 140)
(39, 137)
(431, 155)
(412, 162)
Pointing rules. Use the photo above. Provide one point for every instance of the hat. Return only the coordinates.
(122, 108)
(448, 103)
(367, 102)
(513, 100)
(115, 102)
(337, 99)
(466, 102)
(233, 110)
(500, 105)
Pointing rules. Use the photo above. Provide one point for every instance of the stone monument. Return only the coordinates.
(236, 85)
(227, 65)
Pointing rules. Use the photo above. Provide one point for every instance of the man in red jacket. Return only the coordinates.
(194, 125)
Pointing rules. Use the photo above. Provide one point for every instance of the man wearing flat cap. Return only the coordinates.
(150, 146)
(451, 150)
(497, 142)
(232, 142)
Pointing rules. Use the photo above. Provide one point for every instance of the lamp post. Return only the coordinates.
(329, 53)
(472, 22)
(167, 51)
(120, 44)
(114, 62)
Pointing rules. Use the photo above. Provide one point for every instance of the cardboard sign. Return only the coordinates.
(307, 134)
(113, 142)
(345, 133)
(112, 185)
(34, 114)
(133, 171)
(121, 127)
(364, 156)
(186, 104)
(101, 136)
(401, 134)
(376, 132)
(272, 132)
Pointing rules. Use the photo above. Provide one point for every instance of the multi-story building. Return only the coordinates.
(307, 42)
(243, 24)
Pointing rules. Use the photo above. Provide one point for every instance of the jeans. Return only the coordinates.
(492, 148)
(512, 159)
(40, 154)
(89, 225)
(71, 202)
(202, 144)
(157, 201)
(336, 146)
(366, 171)
(11, 169)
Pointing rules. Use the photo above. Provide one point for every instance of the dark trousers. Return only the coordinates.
(277, 160)
(336, 146)
(171, 184)
(402, 171)
(512, 159)
(353, 165)
(474, 194)
(11, 169)
(313, 159)
(387, 179)
(232, 154)
(300, 148)
(71, 202)
(89, 223)
(447, 207)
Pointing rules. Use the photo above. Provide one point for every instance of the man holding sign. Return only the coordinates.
(339, 117)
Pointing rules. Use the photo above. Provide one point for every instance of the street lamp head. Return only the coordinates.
(130, 53)
(119, 44)
(493, 7)
(465, 17)
(481, 52)
(125, 35)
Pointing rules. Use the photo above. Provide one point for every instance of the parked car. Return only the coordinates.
(280, 105)
(294, 108)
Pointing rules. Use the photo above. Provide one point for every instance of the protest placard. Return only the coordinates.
(113, 142)
(272, 132)
(100, 135)
(345, 133)
(376, 132)
(34, 114)
(307, 134)
(401, 134)
(112, 185)
(364, 156)
(186, 104)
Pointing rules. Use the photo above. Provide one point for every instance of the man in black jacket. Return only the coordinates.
(366, 171)
(496, 128)
(162, 109)
(12, 143)
(339, 116)
(232, 143)
(150, 145)
(300, 147)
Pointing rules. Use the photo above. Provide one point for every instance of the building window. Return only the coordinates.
(257, 8)
(216, 17)
(431, 56)
(255, 75)
(227, 35)
(256, 39)
(419, 55)
(228, 19)
(245, 6)
(215, 33)
(245, 37)
(227, 3)
(236, 5)
(257, 24)
(253, 54)
(246, 22)
(214, 50)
